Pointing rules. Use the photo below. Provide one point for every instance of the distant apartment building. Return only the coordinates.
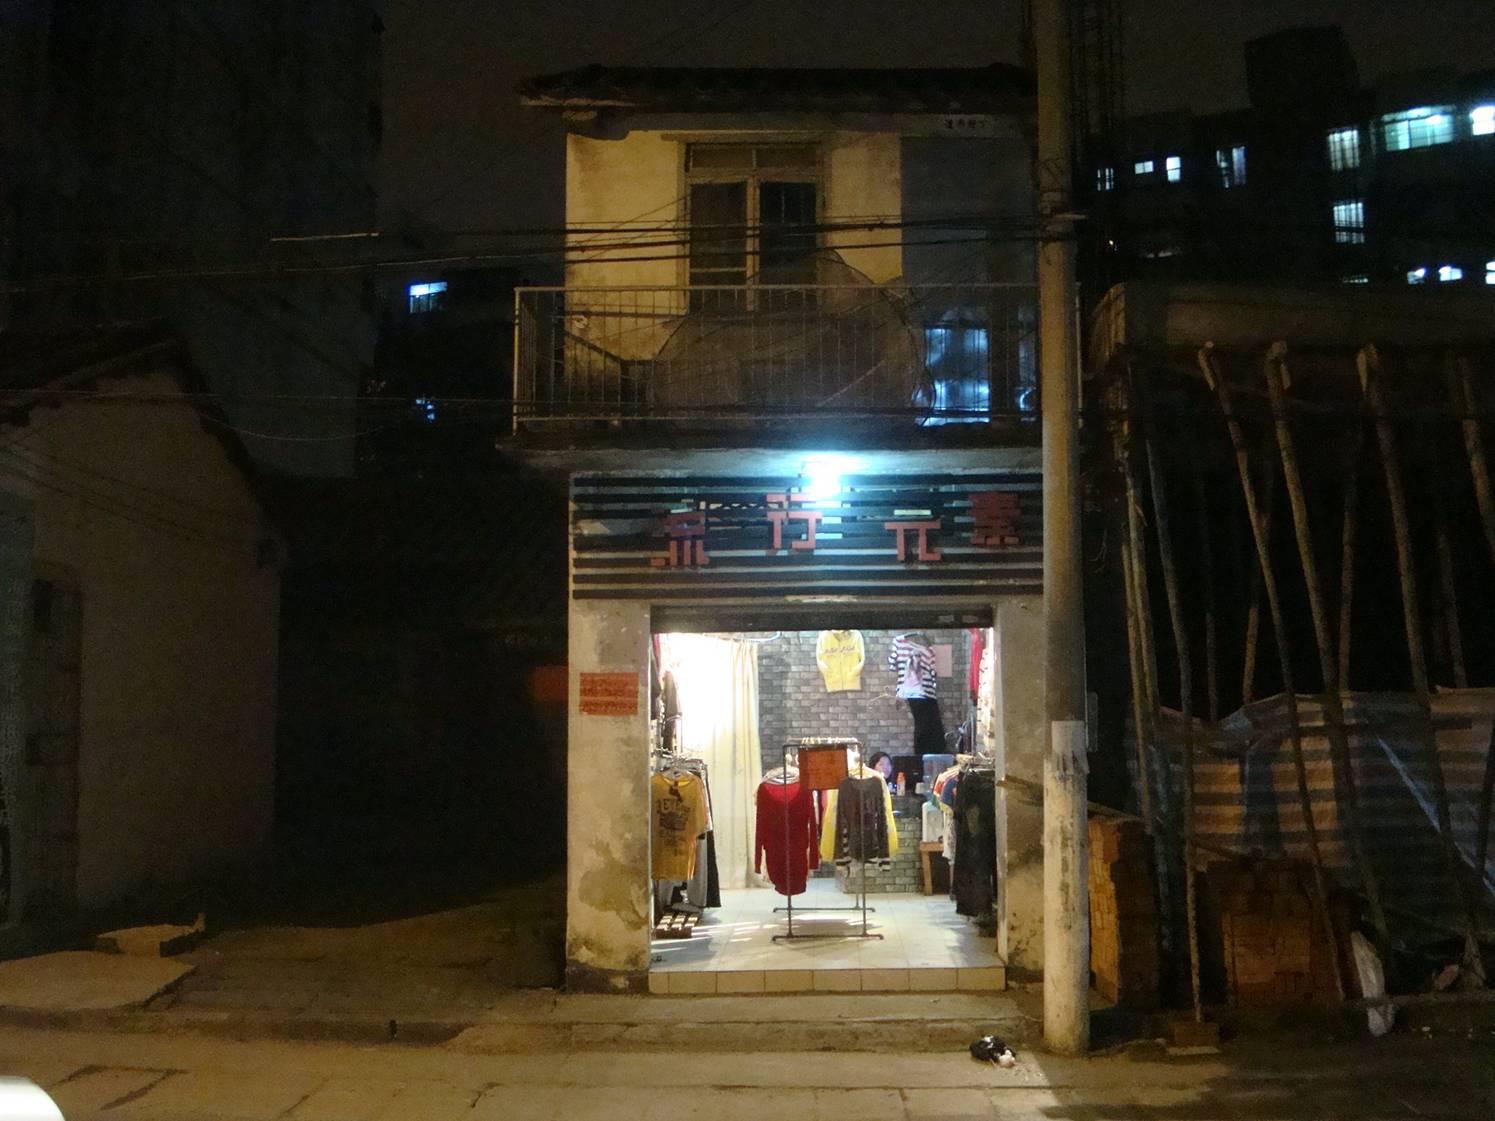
(199, 164)
(1319, 179)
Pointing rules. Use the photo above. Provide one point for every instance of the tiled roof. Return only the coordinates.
(978, 89)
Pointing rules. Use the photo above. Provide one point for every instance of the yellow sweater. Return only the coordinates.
(840, 656)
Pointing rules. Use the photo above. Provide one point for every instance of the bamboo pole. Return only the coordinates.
(1214, 376)
(1134, 668)
(1368, 362)
(1274, 371)
(1474, 446)
(1207, 587)
(1348, 526)
(1451, 633)
(1253, 612)
(1164, 534)
(1482, 829)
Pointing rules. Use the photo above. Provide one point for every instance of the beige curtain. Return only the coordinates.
(718, 683)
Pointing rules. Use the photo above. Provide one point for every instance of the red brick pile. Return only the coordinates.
(1124, 943)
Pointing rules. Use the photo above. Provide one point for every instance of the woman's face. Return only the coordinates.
(885, 765)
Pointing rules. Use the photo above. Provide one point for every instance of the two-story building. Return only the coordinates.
(792, 377)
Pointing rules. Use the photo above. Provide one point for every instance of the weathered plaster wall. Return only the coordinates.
(1020, 749)
(863, 174)
(607, 808)
(179, 640)
(633, 180)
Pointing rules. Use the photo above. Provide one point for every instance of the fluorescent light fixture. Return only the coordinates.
(23, 1100)
(822, 475)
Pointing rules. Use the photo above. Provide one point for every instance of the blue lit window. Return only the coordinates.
(426, 407)
(1356, 278)
(1143, 167)
(1231, 163)
(1105, 178)
(1417, 276)
(1482, 120)
(1447, 273)
(1417, 128)
(956, 356)
(1174, 166)
(427, 296)
(1349, 222)
(1490, 272)
(1344, 149)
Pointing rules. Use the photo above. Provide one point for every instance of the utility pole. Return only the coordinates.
(1066, 858)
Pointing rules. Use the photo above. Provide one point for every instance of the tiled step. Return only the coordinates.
(988, 978)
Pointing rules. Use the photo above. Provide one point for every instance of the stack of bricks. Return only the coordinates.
(906, 873)
(1124, 946)
(1271, 946)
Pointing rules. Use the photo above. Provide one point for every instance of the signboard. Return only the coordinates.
(609, 694)
(970, 534)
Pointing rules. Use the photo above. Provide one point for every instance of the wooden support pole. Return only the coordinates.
(1452, 635)
(1185, 688)
(1482, 828)
(1368, 362)
(1348, 526)
(1274, 370)
(1214, 375)
(1253, 611)
(1141, 726)
(1206, 586)
(1462, 379)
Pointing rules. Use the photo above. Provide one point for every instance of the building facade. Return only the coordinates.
(791, 375)
(139, 620)
(1319, 179)
(199, 164)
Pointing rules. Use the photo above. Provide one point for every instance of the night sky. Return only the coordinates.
(460, 153)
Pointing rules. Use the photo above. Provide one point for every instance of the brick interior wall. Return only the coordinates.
(905, 874)
(1124, 947)
(793, 702)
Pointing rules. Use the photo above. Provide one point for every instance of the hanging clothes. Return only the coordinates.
(859, 823)
(978, 650)
(840, 656)
(786, 835)
(974, 878)
(911, 658)
(929, 728)
(679, 817)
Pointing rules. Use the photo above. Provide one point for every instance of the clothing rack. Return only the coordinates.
(861, 905)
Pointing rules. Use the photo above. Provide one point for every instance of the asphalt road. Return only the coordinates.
(170, 1077)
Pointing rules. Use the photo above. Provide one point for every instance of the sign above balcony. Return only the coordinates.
(808, 536)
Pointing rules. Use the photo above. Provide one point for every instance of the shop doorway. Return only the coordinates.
(846, 773)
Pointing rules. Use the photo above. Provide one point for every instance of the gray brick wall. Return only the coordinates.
(906, 873)
(793, 702)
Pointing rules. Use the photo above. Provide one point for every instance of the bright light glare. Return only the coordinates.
(23, 1100)
(822, 475)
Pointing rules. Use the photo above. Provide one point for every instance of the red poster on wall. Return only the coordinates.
(609, 694)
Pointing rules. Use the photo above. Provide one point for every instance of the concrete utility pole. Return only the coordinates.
(1066, 858)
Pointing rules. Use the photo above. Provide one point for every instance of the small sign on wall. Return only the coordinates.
(944, 659)
(609, 694)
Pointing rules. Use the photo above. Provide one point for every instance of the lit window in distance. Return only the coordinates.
(1143, 167)
(1105, 178)
(426, 296)
(1349, 222)
(1450, 272)
(1344, 149)
(1417, 276)
(1175, 168)
(1482, 120)
(1490, 272)
(1422, 127)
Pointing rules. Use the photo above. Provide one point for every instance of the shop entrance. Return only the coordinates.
(847, 773)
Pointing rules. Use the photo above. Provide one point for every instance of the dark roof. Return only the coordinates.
(74, 359)
(998, 88)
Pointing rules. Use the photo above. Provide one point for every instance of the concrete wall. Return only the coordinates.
(607, 805)
(1020, 749)
(142, 511)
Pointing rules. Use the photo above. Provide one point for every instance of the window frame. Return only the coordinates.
(1342, 145)
(752, 177)
(1406, 120)
(1348, 217)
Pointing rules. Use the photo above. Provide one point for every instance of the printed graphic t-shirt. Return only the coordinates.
(913, 662)
(679, 817)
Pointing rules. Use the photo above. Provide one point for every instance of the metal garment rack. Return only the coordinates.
(861, 904)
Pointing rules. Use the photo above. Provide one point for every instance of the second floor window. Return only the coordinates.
(1344, 149)
(1231, 163)
(1417, 128)
(753, 209)
(1349, 222)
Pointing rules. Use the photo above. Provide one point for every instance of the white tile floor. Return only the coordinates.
(924, 945)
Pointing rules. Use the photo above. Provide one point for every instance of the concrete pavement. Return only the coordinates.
(102, 1077)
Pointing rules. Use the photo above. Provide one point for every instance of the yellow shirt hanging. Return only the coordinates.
(840, 656)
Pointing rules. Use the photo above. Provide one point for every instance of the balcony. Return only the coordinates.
(723, 356)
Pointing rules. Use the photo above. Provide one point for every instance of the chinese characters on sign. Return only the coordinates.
(994, 516)
(609, 694)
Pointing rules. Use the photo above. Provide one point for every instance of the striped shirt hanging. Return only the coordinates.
(912, 660)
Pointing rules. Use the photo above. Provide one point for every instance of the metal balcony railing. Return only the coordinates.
(917, 354)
